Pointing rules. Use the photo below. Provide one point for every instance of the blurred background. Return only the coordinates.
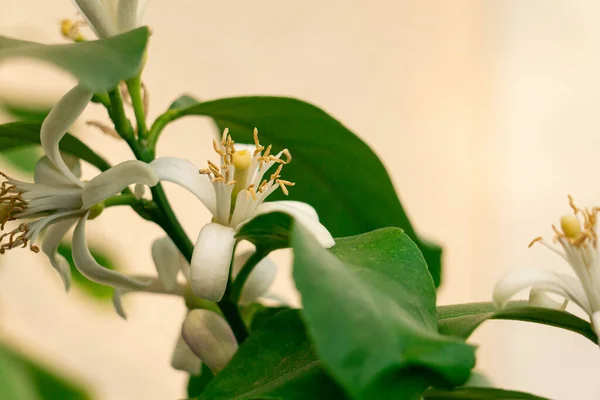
(485, 113)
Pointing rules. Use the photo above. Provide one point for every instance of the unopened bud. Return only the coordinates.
(210, 337)
(570, 226)
(184, 358)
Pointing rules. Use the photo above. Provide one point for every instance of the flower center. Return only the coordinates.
(239, 179)
(11, 202)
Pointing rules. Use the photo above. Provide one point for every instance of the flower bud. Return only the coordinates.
(210, 337)
(184, 358)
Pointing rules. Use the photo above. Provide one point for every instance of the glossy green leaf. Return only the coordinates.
(462, 319)
(17, 135)
(324, 152)
(271, 230)
(277, 361)
(99, 65)
(369, 305)
(24, 379)
(198, 383)
(93, 289)
(477, 393)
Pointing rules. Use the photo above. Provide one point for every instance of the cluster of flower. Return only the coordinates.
(234, 189)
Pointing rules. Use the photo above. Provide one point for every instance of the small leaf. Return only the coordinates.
(277, 361)
(26, 113)
(331, 164)
(369, 306)
(477, 393)
(95, 290)
(17, 135)
(100, 64)
(462, 319)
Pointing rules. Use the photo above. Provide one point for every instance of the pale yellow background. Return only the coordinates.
(485, 113)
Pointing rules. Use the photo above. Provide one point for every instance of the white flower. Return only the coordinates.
(210, 337)
(58, 199)
(578, 239)
(234, 190)
(111, 17)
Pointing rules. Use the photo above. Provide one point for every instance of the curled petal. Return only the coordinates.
(114, 180)
(301, 206)
(54, 235)
(99, 16)
(168, 261)
(185, 174)
(539, 298)
(184, 358)
(259, 280)
(560, 284)
(47, 174)
(89, 267)
(59, 120)
(306, 219)
(211, 260)
(210, 338)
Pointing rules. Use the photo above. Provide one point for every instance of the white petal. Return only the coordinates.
(210, 338)
(99, 17)
(211, 260)
(560, 284)
(54, 235)
(130, 14)
(168, 261)
(117, 301)
(184, 358)
(89, 267)
(301, 206)
(305, 219)
(186, 175)
(539, 298)
(260, 279)
(59, 120)
(46, 173)
(114, 180)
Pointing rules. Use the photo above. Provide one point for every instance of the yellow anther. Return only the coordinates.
(204, 171)
(217, 149)
(224, 136)
(288, 155)
(241, 160)
(571, 227)
(4, 212)
(277, 173)
(250, 192)
(534, 241)
(70, 30)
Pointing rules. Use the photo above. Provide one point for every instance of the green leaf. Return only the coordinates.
(27, 113)
(198, 383)
(477, 393)
(24, 379)
(23, 159)
(324, 152)
(93, 289)
(369, 305)
(277, 361)
(16, 135)
(99, 64)
(462, 319)
(272, 231)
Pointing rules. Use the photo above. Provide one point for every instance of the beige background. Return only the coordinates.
(485, 113)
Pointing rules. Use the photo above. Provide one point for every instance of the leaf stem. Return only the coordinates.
(117, 114)
(134, 86)
(240, 280)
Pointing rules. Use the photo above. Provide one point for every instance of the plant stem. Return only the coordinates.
(117, 114)
(121, 200)
(164, 215)
(242, 277)
(135, 91)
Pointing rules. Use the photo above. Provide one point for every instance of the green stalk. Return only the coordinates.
(242, 277)
(134, 86)
(164, 215)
